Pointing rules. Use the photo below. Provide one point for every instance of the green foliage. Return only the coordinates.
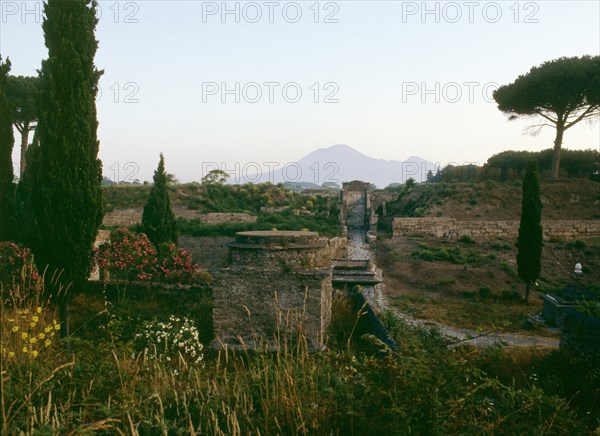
(485, 292)
(158, 220)
(454, 255)
(65, 177)
(215, 177)
(7, 140)
(590, 308)
(466, 239)
(324, 225)
(563, 91)
(529, 240)
(510, 165)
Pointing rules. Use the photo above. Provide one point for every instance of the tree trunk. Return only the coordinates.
(527, 291)
(24, 144)
(560, 130)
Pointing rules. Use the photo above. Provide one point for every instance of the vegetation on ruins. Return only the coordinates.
(158, 221)
(125, 375)
(7, 140)
(66, 194)
(560, 93)
(131, 257)
(530, 238)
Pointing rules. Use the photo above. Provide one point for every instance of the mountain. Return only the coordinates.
(341, 163)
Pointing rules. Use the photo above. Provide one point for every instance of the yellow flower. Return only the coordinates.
(41, 336)
(11, 354)
(38, 310)
(48, 329)
(24, 335)
(15, 328)
(35, 318)
(32, 324)
(57, 327)
(47, 343)
(35, 354)
(24, 349)
(33, 340)
(54, 321)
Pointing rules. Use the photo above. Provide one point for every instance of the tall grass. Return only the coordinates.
(105, 387)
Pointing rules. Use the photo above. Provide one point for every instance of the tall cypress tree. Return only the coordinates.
(66, 175)
(158, 221)
(7, 141)
(529, 241)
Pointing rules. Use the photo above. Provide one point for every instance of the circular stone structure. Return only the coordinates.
(278, 282)
(276, 250)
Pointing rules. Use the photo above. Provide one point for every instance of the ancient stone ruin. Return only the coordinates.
(278, 285)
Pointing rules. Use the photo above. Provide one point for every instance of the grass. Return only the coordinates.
(469, 311)
(104, 386)
(455, 255)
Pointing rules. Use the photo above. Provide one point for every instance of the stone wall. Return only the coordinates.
(453, 229)
(132, 216)
(277, 283)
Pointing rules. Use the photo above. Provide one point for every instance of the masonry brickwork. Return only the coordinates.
(450, 228)
(132, 216)
(277, 283)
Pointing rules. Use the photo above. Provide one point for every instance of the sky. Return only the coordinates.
(231, 83)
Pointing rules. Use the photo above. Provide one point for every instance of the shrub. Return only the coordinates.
(170, 341)
(17, 267)
(485, 292)
(510, 295)
(175, 265)
(466, 239)
(27, 334)
(127, 256)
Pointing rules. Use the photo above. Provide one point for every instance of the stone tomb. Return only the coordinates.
(278, 283)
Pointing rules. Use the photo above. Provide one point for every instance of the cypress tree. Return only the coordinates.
(66, 174)
(7, 141)
(158, 221)
(529, 241)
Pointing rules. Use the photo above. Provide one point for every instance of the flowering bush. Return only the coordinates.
(16, 266)
(27, 334)
(176, 265)
(127, 256)
(170, 341)
(132, 257)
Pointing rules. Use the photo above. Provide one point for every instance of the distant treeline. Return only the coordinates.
(510, 165)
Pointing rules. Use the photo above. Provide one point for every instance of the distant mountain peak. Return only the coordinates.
(341, 163)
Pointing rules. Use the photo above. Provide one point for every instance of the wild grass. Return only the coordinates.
(104, 387)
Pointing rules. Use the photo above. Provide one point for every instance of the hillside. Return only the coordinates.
(563, 199)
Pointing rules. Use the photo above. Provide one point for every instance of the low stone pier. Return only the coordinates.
(277, 284)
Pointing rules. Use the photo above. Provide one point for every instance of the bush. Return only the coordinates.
(485, 292)
(17, 268)
(466, 239)
(132, 257)
(127, 256)
(170, 341)
(175, 265)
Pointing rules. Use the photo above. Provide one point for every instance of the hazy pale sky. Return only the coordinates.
(272, 81)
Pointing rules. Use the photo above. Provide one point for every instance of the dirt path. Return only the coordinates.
(483, 338)
(358, 248)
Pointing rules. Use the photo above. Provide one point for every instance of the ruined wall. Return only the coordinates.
(277, 282)
(453, 229)
(130, 217)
